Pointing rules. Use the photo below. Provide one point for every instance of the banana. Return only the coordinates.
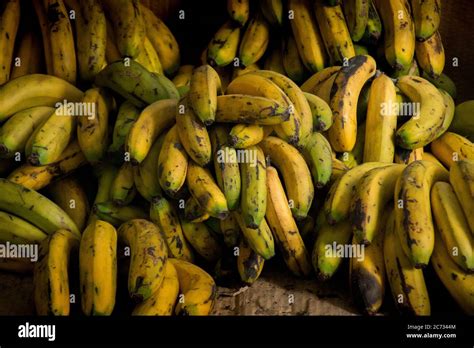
(318, 156)
(51, 279)
(249, 263)
(69, 195)
(135, 83)
(330, 239)
(323, 90)
(193, 212)
(255, 40)
(273, 10)
(129, 25)
(197, 287)
(112, 53)
(426, 15)
(16, 230)
(145, 175)
(148, 127)
(230, 230)
(427, 156)
(224, 45)
(105, 174)
(381, 122)
(227, 173)
(283, 225)
(63, 53)
(274, 60)
(292, 63)
(98, 268)
(360, 50)
(463, 123)
(406, 282)
(308, 39)
(122, 190)
(412, 69)
(403, 156)
(238, 71)
(40, 12)
(116, 215)
(183, 76)
(31, 55)
(34, 208)
(367, 276)
(165, 216)
(172, 164)
(193, 134)
(338, 201)
(399, 31)
(338, 169)
(443, 82)
(344, 96)
(204, 189)
(371, 195)
(240, 108)
(126, 117)
(202, 239)
(315, 81)
(242, 136)
(149, 58)
(163, 41)
(35, 90)
(421, 129)
(148, 259)
(430, 55)
(92, 129)
(163, 301)
(335, 34)
(452, 225)
(239, 11)
(357, 16)
(295, 172)
(451, 147)
(461, 177)
(449, 112)
(413, 219)
(261, 86)
(260, 239)
(91, 35)
(459, 283)
(15, 133)
(321, 112)
(10, 20)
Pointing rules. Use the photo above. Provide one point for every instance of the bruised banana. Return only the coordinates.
(461, 177)
(318, 155)
(197, 288)
(122, 190)
(145, 175)
(16, 230)
(10, 20)
(202, 239)
(51, 279)
(249, 263)
(242, 136)
(430, 55)
(193, 212)
(413, 220)
(223, 47)
(148, 257)
(98, 268)
(283, 226)
(427, 17)
(164, 215)
(116, 215)
(260, 239)
(255, 40)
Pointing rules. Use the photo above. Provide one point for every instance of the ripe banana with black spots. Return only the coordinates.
(145, 175)
(413, 220)
(193, 212)
(318, 78)
(427, 17)
(224, 45)
(255, 40)
(321, 112)
(115, 215)
(249, 263)
(239, 10)
(165, 216)
(204, 87)
(16, 230)
(343, 101)
(260, 239)
(242, 136)
(98, 268)
(51, 279)
(461, 177)
(430, 55)
(451, 147)
(148, 257)
(373, 30)
(10, 20)
(122, 190)
(202, 239)
(357, 16)
(318, 155)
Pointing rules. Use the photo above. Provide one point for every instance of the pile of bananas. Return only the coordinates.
(207, 168)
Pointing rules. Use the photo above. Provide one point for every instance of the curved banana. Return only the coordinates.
(10, 21)
(30, 53)
(242, 136)
(260, 239)
(126, 117)
(321, 112)
(224, 45)
(357, 16)
(193, 212)
(318, 155)
(183, 76)
(149, 58)
(255, 40)
(427, 17)
(98, 268)
(202, 239)
(413, 219)
(249, 263)
(292, 63)
(313, 83)
(273, 10)
(238, 10)
(430, 55)
(204, 87)
(122, 190)
(116, 215)
(344, 96)
(451, 147)
(16, 230)
(461, 177)
(145, 175)
(148, 257)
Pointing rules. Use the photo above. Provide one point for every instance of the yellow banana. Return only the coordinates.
(413, 219)
(430, 55)
(313, 83)
(381, 122)
(308, 39)
(148, 127)
(260, 239)
(249, 263)
(427, 156)
(255, 40)
(223, 47)
(372, 193)
(165, 216)
(148, 257)
(406, 282)
(31, 55)
(238, 71)
(98, 268)
(145, 175)
(357, 16)
(122, 190)
(172, 164)
(202, 239)
(197, 287)
(116, 215)
(149, 58)
(239, 11)
(292, 63)
(461, 177)
(204, 189)
(451, 147)
(10, 21)
(318, 156)
(242, 136)
(183, 76)
(41, 14)
(452, 225)
(105, 174)
(163, 301)
(193, 134)
(16, 230)
(426, 15)
(193, 212)
(450, 109)
(344, 96)
(273, 10)
(126, 117)
(403, 156)
(334, 31)
(321, 112)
